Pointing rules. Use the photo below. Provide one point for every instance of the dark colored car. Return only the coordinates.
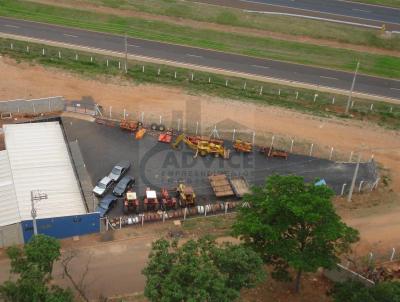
(106, 204)
(125, 182)
(119, 170)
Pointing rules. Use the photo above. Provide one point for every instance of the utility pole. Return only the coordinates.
(353, 181)
(36, 196)
(352, 88)
(126, 53)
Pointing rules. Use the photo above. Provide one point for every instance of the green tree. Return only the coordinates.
(200, 271)
(33, 264)
(354, 291)
(292, 224)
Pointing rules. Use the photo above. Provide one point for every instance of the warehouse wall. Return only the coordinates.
(10, 235)
(63, 227)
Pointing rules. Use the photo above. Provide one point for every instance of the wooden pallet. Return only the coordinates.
(220, 185)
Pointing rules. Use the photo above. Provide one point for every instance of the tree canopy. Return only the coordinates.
(200, 271)
(33, 264)
(354, 291)
(292, 224)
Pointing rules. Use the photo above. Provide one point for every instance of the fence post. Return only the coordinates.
(119, 64)
(311, 149)
(175, 75)
(393, 253)
(371, 256)
(372, 107)
(120, 222)
(205, 210)
(261, 90)
(11, 46)
(233, 135)
(333, 100)
(192, 76)
(158, 71)
(209, 80)
(197, 127)
(179, 124)
(343, 187)
(352, 104)
(107, 62)
(33, 106)
(226, 207)
(27, 48)
(160, 119)
(49, 106)
(254, 138)
(391, 109)
(59, 54)
(351, 156)
(76, 57)
(124, 113)
(297, 95)
(315, 97)
(142, 117)
(91, 59)
(110, 111)
(143, 68)
(163, 216)
(43, 52)
(226, 83)
(244, 86)
(360, 186)
(279, 92)
(372, 157)
(331, 154)
(142, 219)
(291, 146)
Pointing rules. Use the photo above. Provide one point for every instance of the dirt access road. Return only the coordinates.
(30, 81)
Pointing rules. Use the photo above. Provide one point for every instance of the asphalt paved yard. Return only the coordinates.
(157, 165)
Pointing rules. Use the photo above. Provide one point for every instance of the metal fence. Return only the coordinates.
(33, 106)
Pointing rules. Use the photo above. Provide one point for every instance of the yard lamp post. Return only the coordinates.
(352, 88)
(36, 195)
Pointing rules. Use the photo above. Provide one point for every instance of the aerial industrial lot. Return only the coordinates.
(167, 144)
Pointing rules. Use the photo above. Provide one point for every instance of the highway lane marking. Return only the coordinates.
(361, 10)
(329, 78)
(132, 45)
(395, 89)
(72, 36)
(260, 66)
(194, 56)
(12, 26)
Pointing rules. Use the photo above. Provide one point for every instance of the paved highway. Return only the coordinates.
(203, 57)
(339, 10)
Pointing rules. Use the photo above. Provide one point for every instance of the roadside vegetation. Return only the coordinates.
(393, 3)
(263, 47)
(93, 65)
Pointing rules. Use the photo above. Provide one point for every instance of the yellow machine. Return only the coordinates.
(186, 195)
(202, 147)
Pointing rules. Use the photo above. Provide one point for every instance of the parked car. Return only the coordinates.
(119, 170)
(106, 204)
(103, 186)
(125, 182)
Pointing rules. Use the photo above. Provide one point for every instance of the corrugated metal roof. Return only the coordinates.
(39, 160)
(9, 212)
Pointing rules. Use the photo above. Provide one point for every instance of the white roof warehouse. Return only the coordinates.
(37, 158)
